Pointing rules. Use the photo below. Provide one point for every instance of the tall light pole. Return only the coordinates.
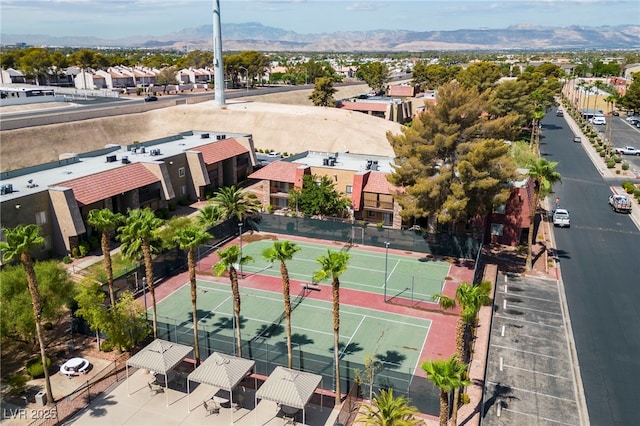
(386, 261)
(247, 78)
(240, 260)
(218, 69)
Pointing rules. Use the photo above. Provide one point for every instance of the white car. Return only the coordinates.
(598, 120)
(561, 218)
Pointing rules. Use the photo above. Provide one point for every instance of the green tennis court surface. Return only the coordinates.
(395, 340)
(406, 276)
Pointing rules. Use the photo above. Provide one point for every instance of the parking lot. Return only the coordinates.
(531, 375)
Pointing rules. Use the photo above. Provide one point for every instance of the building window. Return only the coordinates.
(371, 214)
(183, 190)
(41, 218)
(181, 172)
(497, 229)
(500, 209)
(349, 189)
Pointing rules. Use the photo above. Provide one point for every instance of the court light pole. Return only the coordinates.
(144, 296)
(240, 260)
(386, 261)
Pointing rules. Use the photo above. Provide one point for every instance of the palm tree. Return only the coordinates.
(236, 203)
(19, 241)
(188, 239)
(105, 221)
(138, 235)
(282, 251)
(446, 375)
(389, 411)
(209, 216)
(544, 175)
(470, 298)
(333, 264)
(228, 258)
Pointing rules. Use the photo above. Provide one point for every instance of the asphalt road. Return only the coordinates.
(600, 265)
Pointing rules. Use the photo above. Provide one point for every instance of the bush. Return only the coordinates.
(106, 346)
(617, 159)
(17, 383)
(66, 260)
(602, 153)
(94, 243)
(34, 367)
(636, 192)
(628, 187)
(625, 166)
(611, 163)
(269, 208)
(83, 248)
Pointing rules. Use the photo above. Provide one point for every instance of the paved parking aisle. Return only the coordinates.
(530, 374)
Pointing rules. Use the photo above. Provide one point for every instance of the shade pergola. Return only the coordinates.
(289, 387)
(221, 371)
(159, 356)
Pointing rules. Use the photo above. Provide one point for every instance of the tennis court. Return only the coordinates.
(395, 340)
(408, 277)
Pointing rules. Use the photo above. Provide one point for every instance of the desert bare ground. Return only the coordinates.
(285, 122)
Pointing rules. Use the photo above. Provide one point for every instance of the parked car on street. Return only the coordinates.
(561, 218)
(577, 139)
(627, 150)
(150, 99)
(598, 120)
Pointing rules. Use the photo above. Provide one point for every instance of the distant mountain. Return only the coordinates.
(255, 36)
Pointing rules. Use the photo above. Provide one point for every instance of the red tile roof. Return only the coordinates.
(100, 186)
(378, 184)
(364, 106)
(278, 171)
(220, 150)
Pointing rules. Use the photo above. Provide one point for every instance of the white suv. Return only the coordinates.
(598, 119)
(561, 218)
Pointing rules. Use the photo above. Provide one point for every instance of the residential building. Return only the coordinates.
(156, 174)
(361, 177)
(508, 224)
(385, 107)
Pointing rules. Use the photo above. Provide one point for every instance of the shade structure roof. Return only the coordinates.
(160, 356)
(222, 371)
(289, 387)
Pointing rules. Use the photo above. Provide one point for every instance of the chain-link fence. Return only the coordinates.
(438, 244)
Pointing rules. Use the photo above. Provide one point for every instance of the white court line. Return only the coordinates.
(352, 336)
(390, 273)
(524, 352)
(534, 371)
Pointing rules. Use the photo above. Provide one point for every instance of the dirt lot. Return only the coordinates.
(283, 122)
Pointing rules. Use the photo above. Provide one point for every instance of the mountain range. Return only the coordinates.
(255, 36)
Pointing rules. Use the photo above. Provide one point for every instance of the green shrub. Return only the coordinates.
(611, 163)
(34, 367)
(617, 159)
(106, 346)
(94, 243)
(603, 153)
(625, 166)
(269, 208)
(617, 172)
(628, 187)
(67, 260)
(84, 248)
(636, 192)
(17, 383)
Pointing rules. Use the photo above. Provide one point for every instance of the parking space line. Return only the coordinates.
(538, 310)
(528, 322)
(524, 296)
(532, 371)
(535, 393)
(538, 417)
(525, 352)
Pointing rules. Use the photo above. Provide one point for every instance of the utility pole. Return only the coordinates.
(218, 67)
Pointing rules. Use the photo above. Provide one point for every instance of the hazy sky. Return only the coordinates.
(114, 19)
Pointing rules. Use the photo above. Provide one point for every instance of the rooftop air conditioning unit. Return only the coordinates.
(125, 160)
(332, 161)
(204, 136)
(111, 158)
(325, 161)
(6, 188)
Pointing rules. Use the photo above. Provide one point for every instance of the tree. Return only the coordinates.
(189, 239)
(323, 92)
(387, 410)
(470, 298)
(209, 216)
(332, 265)
(105, 221)
(234, 202)
(544, 175)
(138, 235)
(446, 375)
(431, 76)
(35, 62)
(375, 74)
(283, 251)
(165, 77)
(228, 258)
(124, 324)
(16, 311)
(19, 242)
(481, 75)
(453, 162)
(631, 99)
(319, 197)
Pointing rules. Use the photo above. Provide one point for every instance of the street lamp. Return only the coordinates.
(247, 71)
(240, 260)
(386, 261)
